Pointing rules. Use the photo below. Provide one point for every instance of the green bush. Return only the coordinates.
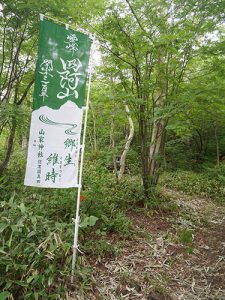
(34, 251)
(209, 183)
(186, 236)
(37, 229)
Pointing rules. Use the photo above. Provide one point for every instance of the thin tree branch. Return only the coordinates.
(136, 18)
(25, 92)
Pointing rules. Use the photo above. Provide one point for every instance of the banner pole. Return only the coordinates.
(82, 147)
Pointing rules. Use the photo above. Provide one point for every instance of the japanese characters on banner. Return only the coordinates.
(56, 122)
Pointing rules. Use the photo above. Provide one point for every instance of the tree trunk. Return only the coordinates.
(127, 145)
(143, 134)
(156, 150)
(157, 145)
(9, 149)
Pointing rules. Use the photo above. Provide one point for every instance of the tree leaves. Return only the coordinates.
(4, 295)
(88, 221)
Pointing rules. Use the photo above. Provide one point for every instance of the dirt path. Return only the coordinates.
(177, 252)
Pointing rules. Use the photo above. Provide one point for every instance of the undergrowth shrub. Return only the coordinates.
(209, 183)
(37, 230)
(35, 252)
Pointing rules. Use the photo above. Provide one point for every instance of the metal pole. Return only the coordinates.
(82, 147)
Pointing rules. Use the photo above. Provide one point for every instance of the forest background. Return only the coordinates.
(156, 121)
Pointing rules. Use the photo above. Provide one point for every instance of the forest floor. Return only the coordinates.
(177, 252)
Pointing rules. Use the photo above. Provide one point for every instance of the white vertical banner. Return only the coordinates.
(56, 122)
(54, 145)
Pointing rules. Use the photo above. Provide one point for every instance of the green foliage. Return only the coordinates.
(186, 236)
(34, 250)
(100, 248)
(88, 221)
(36, 224)
(4, 295)
(37, 231)
(19, 113)
(208, 183)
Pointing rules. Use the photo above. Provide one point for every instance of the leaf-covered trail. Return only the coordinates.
(177, 252)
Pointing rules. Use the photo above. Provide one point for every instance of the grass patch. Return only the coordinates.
(210, 183)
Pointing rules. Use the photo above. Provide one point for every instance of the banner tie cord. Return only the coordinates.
(78, 249)
(75, 221)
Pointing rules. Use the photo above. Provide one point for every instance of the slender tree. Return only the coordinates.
(152, 44)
